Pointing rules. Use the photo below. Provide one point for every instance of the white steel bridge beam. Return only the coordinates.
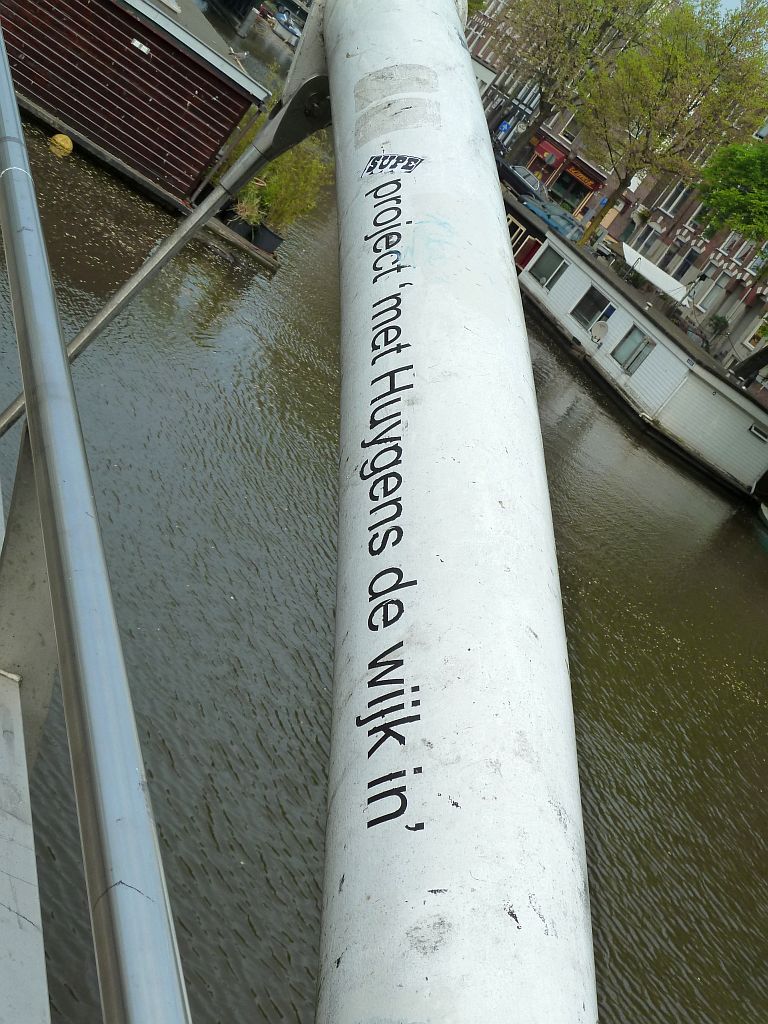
(456, 885)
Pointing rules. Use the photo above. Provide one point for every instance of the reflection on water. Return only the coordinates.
(665, 587)
(210, 415)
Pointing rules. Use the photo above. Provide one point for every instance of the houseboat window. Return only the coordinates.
(633, 349)
(518, 234)
(548, 268)
(589, 307)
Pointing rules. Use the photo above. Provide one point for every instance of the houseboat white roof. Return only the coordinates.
(184, 21)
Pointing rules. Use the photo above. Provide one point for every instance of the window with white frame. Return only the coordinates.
(633, 349)
(729, 243)
(712, 296)
(590, 307)
(548, 268)
(570, 129)
(645, 239)
(758, 261)
(685, 264)
(692, 222)
(674, 197)
(517, 233)
(671, 253)
(743, 251)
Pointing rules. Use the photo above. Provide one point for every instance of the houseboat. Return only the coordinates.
(661, 375)
(147, 87)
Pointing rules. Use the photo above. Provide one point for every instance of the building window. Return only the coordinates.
(685, 264)
(672, 251)
(645, 239)
(712, 298)
(742, 252)
(692, 222)
(730, 242)
(758, 261)
(568, 190)
(633, 349)
(548, 268)
(674, 197)
(589, 308)
(570, 129)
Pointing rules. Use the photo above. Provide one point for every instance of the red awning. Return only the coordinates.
(549, 153)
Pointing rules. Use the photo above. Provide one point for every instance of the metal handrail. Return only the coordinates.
(137, 958)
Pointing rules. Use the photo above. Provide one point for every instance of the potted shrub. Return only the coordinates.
(716, 325)
(289, 188)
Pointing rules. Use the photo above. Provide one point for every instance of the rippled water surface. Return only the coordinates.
(210, 415)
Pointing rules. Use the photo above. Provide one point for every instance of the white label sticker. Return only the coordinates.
(389, 162)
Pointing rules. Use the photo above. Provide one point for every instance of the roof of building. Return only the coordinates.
(184, 21)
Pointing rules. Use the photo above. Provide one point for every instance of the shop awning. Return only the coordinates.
(549, 153)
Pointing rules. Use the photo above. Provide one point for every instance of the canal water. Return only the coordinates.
(210, 415)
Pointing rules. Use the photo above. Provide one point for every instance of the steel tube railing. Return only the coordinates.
(140, 974)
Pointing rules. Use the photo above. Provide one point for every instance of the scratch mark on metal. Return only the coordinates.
(127, 886)
(23, 918)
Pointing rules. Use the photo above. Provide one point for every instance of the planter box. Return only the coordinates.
(260, 236)
(266, 239)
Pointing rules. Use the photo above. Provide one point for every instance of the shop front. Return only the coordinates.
(573, 187)
(546, 160)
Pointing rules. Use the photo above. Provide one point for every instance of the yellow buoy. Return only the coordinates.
(61, 145)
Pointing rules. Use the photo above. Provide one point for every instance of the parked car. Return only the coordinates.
(521, 181)
(564, 223)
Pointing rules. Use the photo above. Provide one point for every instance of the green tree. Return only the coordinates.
(735, 189)
(553, 43)
(699, 81)
(474, 6)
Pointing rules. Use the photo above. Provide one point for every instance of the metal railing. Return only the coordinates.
(140, 974)
(137, 959)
